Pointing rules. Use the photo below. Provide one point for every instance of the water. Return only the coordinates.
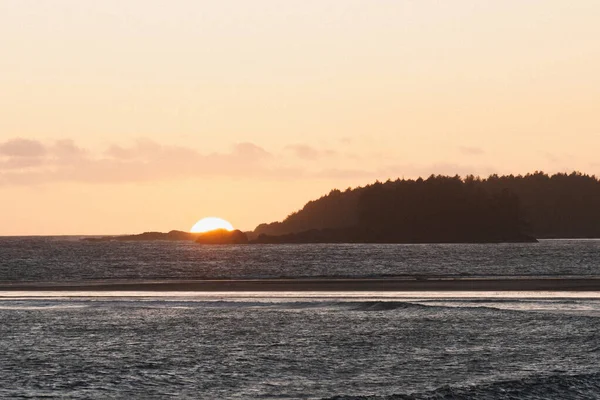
(70, 259)
(271, 347)
(296, 345)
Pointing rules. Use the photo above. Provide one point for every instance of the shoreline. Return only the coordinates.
(450, 284)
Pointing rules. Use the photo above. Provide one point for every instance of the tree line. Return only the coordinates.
(441, 207)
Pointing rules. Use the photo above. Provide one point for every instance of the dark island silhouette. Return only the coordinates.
(439, 209)
(148, 236)
(222, 236)
(548, 206)
(219, 236)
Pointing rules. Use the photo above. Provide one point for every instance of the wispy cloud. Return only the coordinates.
(25, 161)
(406, 170)
(30, 162)
(18, 148)
(307, 152)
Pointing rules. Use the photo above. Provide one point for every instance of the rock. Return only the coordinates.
(222, 236)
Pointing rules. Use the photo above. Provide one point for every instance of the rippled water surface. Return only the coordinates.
(70, 259)
(296, 346)
(299, 348)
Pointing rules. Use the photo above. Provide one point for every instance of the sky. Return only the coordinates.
(148, 115)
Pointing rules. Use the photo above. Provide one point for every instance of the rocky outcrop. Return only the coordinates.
(222, 236)
(148, 236)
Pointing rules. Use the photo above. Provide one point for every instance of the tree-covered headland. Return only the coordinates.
(449, 209)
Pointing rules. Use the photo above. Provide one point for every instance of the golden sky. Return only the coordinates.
(127, 116)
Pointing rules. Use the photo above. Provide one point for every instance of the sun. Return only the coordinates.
(211, 224)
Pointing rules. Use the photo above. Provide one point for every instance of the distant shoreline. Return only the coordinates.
(449, 284)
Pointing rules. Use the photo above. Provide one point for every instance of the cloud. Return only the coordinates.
(407, 171)
(471, 151)
(440, 168)
(120, 153)
(250, 152)
(307, 152)
(29, 162)
(22, 148)
(147, 150)
(20, 163)
(24, 162)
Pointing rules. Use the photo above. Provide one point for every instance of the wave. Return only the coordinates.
(342, 305)
(550, 300)
(302, 305)
(384, 306)
(564, 387)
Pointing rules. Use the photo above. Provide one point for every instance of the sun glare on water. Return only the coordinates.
(211, 224)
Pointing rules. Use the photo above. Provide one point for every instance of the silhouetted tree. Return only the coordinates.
(560, 205)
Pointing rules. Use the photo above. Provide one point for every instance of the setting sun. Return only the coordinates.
(210, 224)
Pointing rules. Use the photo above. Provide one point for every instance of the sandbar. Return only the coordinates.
(449, 284)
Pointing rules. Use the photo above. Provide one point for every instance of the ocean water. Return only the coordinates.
(314, 345)
(70, 259)
(271, 347)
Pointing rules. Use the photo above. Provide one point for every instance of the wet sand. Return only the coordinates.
(317, 285)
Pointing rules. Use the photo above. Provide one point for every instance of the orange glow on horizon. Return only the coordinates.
(129, 116)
